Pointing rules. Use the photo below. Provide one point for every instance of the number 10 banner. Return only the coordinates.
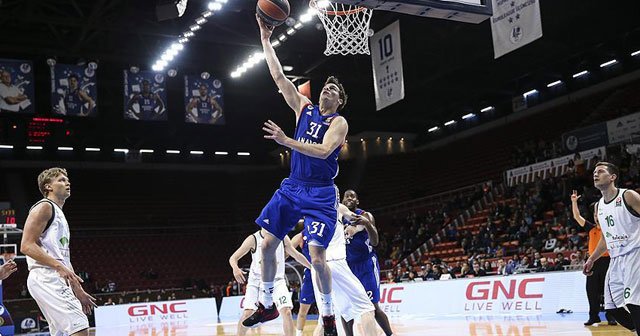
(386, 57)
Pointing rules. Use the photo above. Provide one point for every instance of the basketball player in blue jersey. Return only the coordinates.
(309, 191)
(362, 258)
(151, 105)
(208, 111)
(75, 98)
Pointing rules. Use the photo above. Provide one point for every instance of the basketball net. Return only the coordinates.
(347, 27)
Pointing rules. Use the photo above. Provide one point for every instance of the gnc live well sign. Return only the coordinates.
(157, 312)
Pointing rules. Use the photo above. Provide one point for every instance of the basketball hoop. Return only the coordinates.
(347, 27)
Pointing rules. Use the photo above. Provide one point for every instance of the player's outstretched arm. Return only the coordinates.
(632, 199)
(247, 245)
(291, 250)
(294, 99)
(334, 138)
(7, 269)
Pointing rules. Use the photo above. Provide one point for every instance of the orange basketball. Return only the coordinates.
(273, 12)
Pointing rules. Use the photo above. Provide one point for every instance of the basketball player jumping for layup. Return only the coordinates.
(618, 212)
(309, 191)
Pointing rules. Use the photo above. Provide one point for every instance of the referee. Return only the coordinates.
(595, 282)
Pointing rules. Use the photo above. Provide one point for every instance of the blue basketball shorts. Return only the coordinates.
(368, 272)
(306, 289)
(318, 205)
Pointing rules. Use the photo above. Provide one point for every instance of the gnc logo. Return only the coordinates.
(153, 309)
(387, 295)
(485, 290)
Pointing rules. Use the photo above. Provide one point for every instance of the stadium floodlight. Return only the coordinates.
(214, 6)
(195, 27)
(608, 63)
(207, 14)
(196, 152)
(287, 68)
(34, 147)
(530, 93)
(189, 34)
(121, 150)
(6, 146)
(291, 31)
(65, 149)
(156, 68)
(433, 129)
(580, 74)
(143, 151)
(201, 20)
(92, 149)
(298, 25)
(275, 44)
(635, 53)
(556, 83)
(235, 74)
(177, 46)
(221, 153)
(450, 122)
(244, 154)
(487, 109)
(468, 115)
(172, 151)
(183, 40)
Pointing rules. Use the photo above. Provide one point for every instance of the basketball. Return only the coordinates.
(273, 12)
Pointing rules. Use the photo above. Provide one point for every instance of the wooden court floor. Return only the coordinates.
(569, 325)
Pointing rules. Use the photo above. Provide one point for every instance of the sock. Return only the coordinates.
(298, 332)
(635, 316)
(267, 294)
(326, 308)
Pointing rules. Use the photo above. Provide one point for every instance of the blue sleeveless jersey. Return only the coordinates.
(148, 105)
(73, 103)
(205, 109)
(358, 247)
(311, 128)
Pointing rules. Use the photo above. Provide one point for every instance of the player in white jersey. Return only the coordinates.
(281, 293)
(45, 241)
(349, 296)
(618, 212)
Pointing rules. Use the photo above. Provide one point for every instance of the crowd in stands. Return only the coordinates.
(529, 230)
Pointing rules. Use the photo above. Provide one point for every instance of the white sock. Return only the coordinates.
(326, 308)
(298, 332)
(267, 294)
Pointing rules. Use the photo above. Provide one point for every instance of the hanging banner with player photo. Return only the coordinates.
(203, 100)
(74, 90)
(145, 97)
(514, 23)
(16, 86)
(386, 57)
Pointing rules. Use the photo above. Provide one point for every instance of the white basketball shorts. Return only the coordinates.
(57, 302)
(349, 297)
(622, 284)
(281, 294)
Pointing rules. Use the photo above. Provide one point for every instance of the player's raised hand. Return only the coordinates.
(239, 275)
(274, 132)
(574, 196)
(265, 30)
(7, 269)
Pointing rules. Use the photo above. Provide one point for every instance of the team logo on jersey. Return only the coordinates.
(619, 201)
(64, 241)
(328, 121)
(308, 113)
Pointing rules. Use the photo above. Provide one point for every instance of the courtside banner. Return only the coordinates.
(514, 23)
(157, 312)
(536, 293)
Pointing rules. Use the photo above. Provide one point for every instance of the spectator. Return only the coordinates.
(544, 266)
(561, 262)
(109, 302)
(411, 277)
(446, 275)
(476, 271)
(502, 267)
(574, 238)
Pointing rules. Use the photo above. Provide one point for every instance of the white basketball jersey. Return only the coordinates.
(620, 227)
(337, 249)
(54, 240)
(256, 259)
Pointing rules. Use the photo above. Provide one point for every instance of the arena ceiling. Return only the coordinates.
(448, 66)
